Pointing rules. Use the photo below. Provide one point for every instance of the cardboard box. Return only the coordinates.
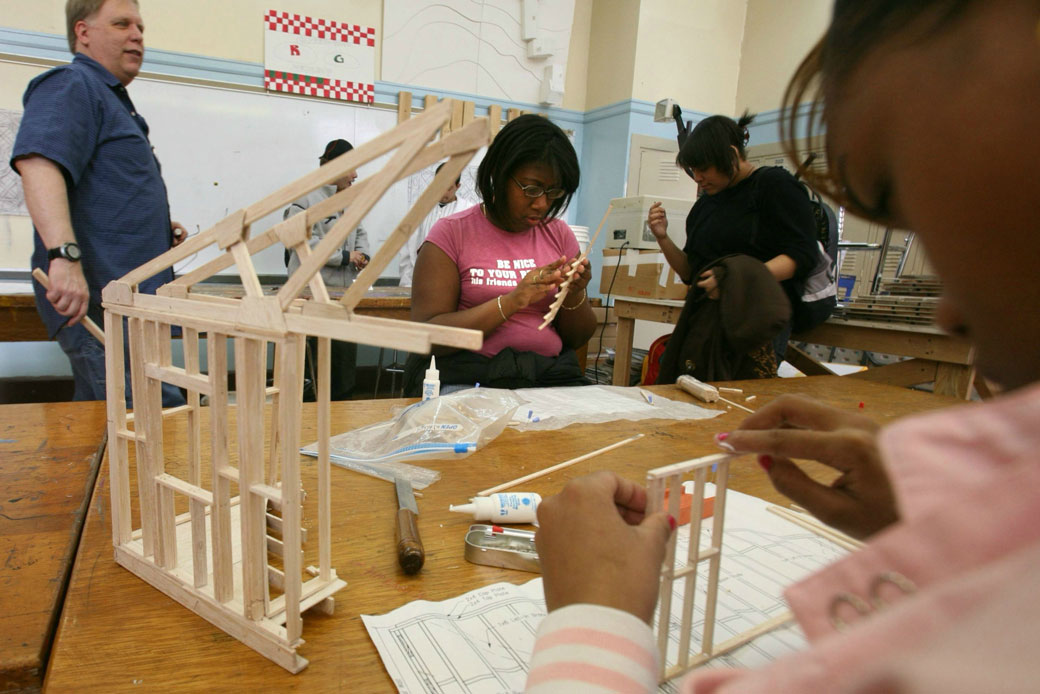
(642, 274)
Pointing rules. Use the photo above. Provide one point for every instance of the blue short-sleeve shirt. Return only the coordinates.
(80, 117)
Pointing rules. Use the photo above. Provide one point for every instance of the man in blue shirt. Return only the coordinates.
(92, 183)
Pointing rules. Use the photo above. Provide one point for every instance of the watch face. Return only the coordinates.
(71, 251)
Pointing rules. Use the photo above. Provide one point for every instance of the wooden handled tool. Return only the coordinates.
(410, 554)
(90, 325)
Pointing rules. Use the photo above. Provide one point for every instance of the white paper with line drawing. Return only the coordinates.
(481, 642)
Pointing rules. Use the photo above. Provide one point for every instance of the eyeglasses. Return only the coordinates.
(538, 191)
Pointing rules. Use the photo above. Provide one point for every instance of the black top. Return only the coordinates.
(725, 223)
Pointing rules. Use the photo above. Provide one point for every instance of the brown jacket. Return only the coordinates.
(718, 340)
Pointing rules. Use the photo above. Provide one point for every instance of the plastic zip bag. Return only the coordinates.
(449, 427)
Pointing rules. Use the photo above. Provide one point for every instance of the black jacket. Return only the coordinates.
(713, 340)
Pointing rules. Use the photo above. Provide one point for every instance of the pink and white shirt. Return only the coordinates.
(491, 262)
(967, 480)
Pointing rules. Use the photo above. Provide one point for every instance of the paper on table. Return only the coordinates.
(482, 640)
(555, 408)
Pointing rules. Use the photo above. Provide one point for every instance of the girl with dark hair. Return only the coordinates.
(497, 266)
(762, 213)
(942, 597)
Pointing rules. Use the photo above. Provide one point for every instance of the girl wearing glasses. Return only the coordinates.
(763, 213)
(497, 266)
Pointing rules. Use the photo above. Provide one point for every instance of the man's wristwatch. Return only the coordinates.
(69, 251)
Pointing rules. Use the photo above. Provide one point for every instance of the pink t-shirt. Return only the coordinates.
(492, 262)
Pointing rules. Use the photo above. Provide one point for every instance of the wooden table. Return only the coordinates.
(117, 633)
(19, 321)
(936, 357)
(49, 459)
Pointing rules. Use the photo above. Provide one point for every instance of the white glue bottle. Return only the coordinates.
(516, 507)
(431, 385)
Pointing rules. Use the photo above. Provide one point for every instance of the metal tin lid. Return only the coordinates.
(510, 549)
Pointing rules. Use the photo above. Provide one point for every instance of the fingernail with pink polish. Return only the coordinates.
(766, 462)
(720, 441)
(671, 522)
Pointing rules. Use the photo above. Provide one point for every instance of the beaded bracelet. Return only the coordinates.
(577, 305)
(500, 311)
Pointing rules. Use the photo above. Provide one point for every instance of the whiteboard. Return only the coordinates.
(223, 149)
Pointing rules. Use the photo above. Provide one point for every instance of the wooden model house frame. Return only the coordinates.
(669, 479)
(216, 558)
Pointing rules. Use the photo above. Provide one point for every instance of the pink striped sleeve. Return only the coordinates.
(591, 648)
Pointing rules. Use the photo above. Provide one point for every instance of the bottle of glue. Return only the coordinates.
(431, 385)
(506, 507)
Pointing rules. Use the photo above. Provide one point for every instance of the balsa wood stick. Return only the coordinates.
(559, 466)
(836, 536)
(730, 402)
(561, 294)
(90, 325)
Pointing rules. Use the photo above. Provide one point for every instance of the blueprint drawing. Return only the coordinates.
(480, 642)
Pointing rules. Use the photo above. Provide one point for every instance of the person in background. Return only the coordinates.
(762, 213)
(339, 271)
(92, 183)
(948, 501)
(497, 267)
(449, 204)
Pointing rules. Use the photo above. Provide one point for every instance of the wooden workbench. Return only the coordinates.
(19, 321)
(49, 458)
(936, 357)
(117, 633)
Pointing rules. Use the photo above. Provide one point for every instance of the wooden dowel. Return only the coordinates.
(90, 325)
(559, 466)
(741, 407)
(837, 537)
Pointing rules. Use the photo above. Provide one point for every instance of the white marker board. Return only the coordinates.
(222, 150)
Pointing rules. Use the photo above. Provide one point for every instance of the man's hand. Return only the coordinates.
(47, 199)
(861, 501)
(358, 259)
(597, 545)
(68, 291)
(178, 233)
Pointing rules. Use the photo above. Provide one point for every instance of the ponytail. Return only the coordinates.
(710, 142)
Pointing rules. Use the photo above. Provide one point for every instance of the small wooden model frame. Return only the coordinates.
(221, 558)
(565, 287)
(669, 479)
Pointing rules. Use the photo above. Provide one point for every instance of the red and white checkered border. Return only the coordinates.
(320, 28)
(331, 89)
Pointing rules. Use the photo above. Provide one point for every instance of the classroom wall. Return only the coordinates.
(612, 44)
(777, 36)
(230, 30)
(692, 55)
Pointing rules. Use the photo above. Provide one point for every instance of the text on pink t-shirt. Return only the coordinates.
(492, 262)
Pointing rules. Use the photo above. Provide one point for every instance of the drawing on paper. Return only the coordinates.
(764, 554)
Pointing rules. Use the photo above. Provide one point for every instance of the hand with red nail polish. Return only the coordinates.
(860, 501)
(597, 545)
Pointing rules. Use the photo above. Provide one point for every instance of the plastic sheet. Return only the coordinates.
(555, 408)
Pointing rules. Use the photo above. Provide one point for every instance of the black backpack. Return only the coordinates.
(819, 294)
